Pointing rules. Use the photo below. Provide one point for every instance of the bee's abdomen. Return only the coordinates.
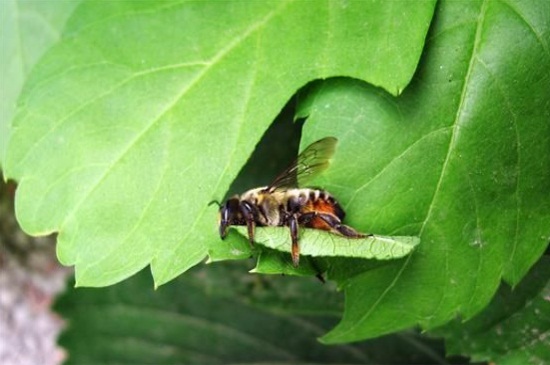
(321, 201)
(327, 204)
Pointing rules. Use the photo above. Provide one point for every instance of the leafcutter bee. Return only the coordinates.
(282, 203)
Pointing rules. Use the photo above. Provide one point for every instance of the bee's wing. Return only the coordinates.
(313, 160)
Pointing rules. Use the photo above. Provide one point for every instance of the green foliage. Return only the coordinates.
(27, 29)
(154, 123)
(217, 315)
(145, 111)
(513, 329)
(460, 160)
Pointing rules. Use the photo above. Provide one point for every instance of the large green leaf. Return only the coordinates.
(513, 329)
(27, 30)
(217, 315)
(460, 160)
(146, 111)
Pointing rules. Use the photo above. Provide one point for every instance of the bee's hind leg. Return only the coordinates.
(295, 251)
(337, 225)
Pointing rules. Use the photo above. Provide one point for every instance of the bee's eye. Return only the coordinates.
(225, 214)
(229, 211)
(225, 220)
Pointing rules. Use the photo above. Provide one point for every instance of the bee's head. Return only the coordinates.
(230, 214)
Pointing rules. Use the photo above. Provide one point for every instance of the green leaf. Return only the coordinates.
(276, 262)
(513, 329)
(460, 160)
(130, 126)
(320, 243)
(28, 29)
(220, 315)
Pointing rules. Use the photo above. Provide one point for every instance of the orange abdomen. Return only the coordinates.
(326, 205)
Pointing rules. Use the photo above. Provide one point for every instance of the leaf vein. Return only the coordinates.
(61, 121)
(393, 160)
(538, 36)
(452, 145)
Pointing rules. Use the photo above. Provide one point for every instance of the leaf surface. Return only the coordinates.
(224, 316)
(318, 243)
(459, 160)
(513, 329)
(128, 127)
(28, 29)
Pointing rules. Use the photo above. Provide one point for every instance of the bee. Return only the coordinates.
(282, 203)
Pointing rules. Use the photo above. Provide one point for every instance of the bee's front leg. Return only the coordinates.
(248, 213)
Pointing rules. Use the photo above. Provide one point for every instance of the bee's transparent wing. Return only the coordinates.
(313, 160)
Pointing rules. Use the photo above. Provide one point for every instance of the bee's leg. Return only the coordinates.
(248, 213)
(306, 218)
(294, 205)
(337, 225)
(295, 252)
(319, 272)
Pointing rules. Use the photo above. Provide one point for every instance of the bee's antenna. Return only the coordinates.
(217, 203)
